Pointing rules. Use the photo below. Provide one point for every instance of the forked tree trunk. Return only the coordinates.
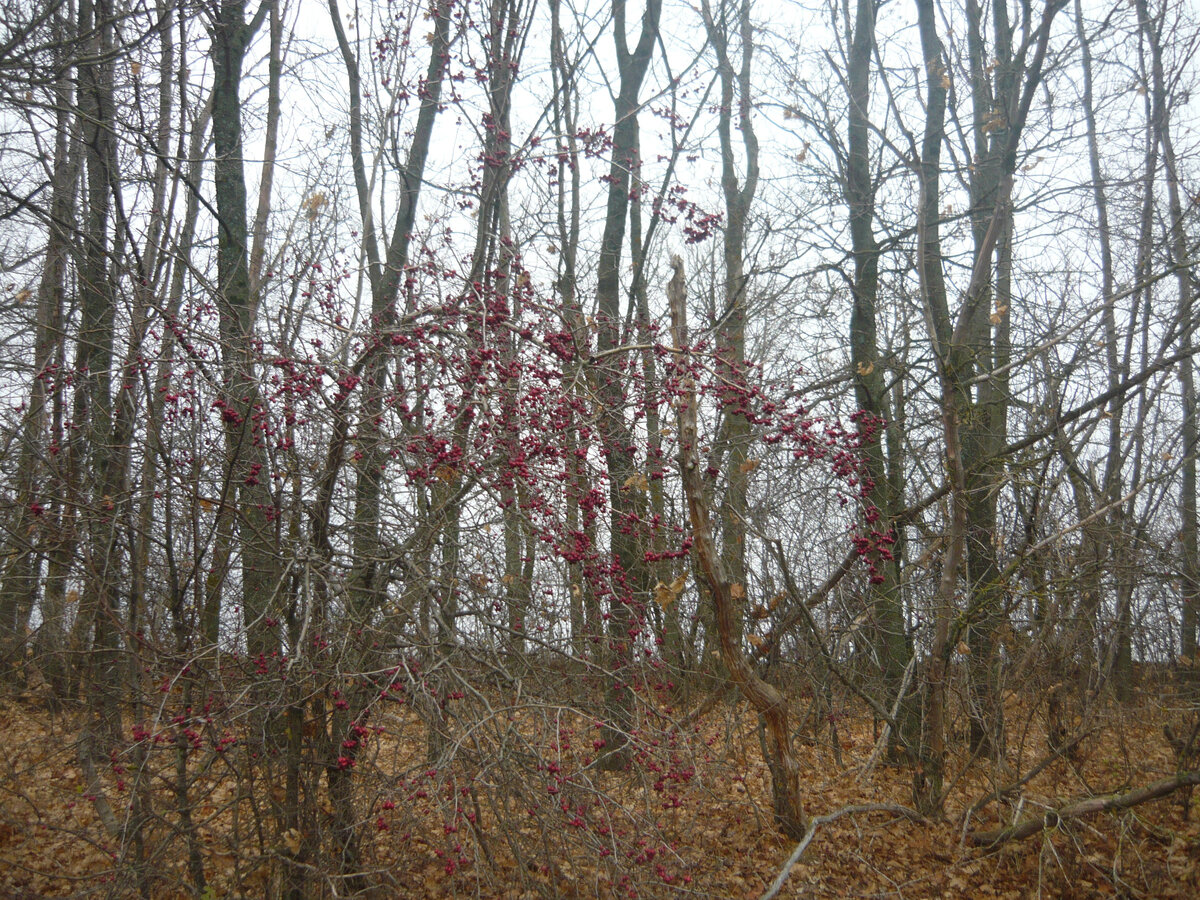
(386, 278)
(972, 424)
(735, 434)
(766, 699)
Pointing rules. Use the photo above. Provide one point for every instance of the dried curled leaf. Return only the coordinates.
(314, 205)
(638, 481)
(666, 594)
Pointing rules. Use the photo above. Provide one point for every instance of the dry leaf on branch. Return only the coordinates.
(666, 594)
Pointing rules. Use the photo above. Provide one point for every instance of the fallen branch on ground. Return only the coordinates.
(813, 825)
(1052, 818)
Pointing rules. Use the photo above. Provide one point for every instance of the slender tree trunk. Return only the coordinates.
(1113, 541)
(983, 324)
(973, 425)
(929, 777)
(874, 417)
(581, 530)
(100, 602)
(386, 278)
(37, 515)
(243, 412)
(629, 569)
(661, 572)
(367, 578)
(1189, 529)
(736, 435)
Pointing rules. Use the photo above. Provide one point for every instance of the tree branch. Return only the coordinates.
(911, 814)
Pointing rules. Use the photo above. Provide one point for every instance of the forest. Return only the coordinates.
(581, 448)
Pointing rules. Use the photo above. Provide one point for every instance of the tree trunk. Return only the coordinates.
(242, 409)
(929, 777)
(628, 582)
(386, 278)
(735, 435)
(34, 531)
(974, 425)
(100, 602)
(874, 421)
(1189, 528)
(767, 700)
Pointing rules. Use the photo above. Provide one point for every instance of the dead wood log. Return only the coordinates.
(1107, 803)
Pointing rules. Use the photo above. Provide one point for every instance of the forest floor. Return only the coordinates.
(703, 827)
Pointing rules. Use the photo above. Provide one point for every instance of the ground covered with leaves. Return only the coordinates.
(519, 809)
